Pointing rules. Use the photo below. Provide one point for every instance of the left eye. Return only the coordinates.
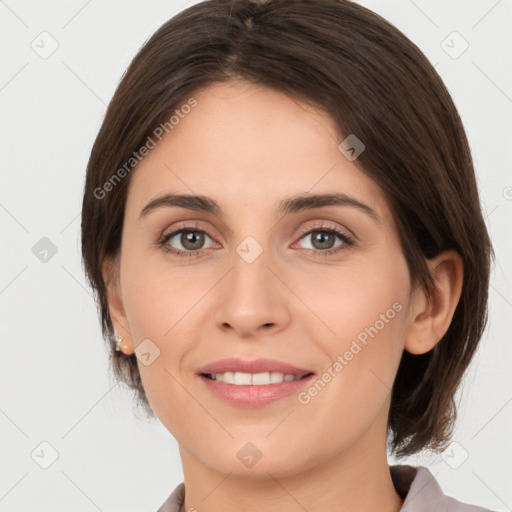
(323, 239)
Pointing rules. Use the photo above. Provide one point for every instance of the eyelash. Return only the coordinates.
(347, 240)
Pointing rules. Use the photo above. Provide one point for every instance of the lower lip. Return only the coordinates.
(254, 396)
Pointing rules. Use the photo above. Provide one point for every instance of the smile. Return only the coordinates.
(253, 379)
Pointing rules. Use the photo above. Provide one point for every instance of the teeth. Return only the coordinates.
(254, 379)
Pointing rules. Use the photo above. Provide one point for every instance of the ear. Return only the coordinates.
(111, 277)
(431, 316)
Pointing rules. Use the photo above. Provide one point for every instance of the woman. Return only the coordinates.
(282, 226)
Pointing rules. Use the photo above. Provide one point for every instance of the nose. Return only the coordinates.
(252, 299)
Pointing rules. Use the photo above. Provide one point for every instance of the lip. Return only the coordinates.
(255, 366)
(252, 396)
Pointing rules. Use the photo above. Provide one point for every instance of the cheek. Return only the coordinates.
(349, 299)
(366, 310)
(161, 306)
(362, 313)
(156, 296)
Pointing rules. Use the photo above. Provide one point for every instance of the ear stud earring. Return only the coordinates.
(118, 340)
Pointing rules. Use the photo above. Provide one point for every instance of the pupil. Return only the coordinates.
(320, 237)
(190, 239)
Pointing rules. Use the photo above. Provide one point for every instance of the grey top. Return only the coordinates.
(416, 485)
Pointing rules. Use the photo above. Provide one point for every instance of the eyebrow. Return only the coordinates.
(297, 203)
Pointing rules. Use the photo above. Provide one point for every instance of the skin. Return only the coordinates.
(248, 147)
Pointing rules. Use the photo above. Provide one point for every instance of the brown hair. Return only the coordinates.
(374, 83)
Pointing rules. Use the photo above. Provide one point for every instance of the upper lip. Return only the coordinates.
(254, 366)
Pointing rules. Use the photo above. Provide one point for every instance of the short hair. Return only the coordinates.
(375, 83)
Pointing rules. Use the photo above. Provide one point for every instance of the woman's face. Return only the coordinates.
(259, 282)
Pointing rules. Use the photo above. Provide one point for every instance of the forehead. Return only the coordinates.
(249, 146)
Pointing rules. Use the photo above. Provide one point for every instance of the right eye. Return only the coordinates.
(190, 239)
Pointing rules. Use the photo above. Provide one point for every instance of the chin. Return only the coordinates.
(254, 460)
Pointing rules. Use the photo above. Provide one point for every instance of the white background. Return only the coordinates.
(54, 375)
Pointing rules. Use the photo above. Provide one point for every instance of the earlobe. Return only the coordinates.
(111, 277)
(431, 314)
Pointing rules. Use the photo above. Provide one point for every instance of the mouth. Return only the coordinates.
(253, 383)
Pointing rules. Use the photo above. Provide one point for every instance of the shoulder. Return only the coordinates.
(422, 493)
(175, 501)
